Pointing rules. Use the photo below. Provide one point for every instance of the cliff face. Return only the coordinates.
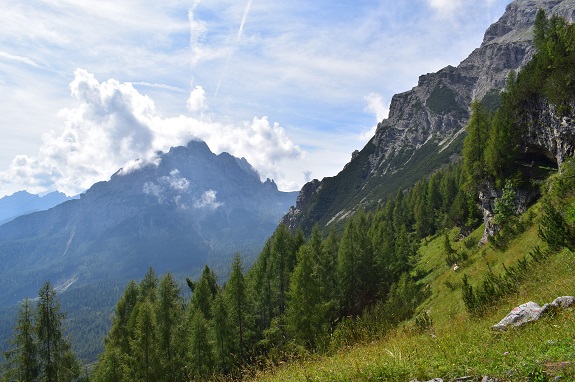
(426, 124)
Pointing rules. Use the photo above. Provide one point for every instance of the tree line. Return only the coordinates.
(299, 295)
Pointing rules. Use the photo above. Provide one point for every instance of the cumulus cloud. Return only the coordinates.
(375, 105)
(114, 125)
(208, 200)
(197, 100)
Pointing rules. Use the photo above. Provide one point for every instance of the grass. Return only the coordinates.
(457, 344)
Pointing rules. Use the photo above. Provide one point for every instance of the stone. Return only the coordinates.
(531, 311)
(564, 302)
(520, 315)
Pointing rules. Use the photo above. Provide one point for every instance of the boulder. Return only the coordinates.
(563, 302)
(520, 315)
(531, 311)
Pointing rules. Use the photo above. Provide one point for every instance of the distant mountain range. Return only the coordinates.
(22, 203)
(191, 209)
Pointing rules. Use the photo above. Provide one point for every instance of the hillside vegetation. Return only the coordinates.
(380, 300)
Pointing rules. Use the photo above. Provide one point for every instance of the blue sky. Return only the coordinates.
(294, 86)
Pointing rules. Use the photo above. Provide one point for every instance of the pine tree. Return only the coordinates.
(22, 358)
(144, 344)
(110, 367)
(56, 361)
(305, 310)
(554, 230)
(540, 30)
(148, 285)
(169, 314)
(260, 283)
(223, 334)
(238, 304)
(356, 267)
(200, 349)
(282, 262)
(119, 336)
(474, 145)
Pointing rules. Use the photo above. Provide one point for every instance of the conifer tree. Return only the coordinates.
(223, 334)
(169, 314)
(53, 347)
(540, 30)
(283, 261)
(144, 344)
(356, 267)
(305, 310)
(148, 285)
(22, 358)
(260, 282)
(474, 145)
(238, 304)
(328, 263)
(204, 293)
(119, 335)
(110, 367)
(200, 349)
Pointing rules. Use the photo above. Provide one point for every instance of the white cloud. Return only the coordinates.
(376, 106)
(114, 124)
(309, 69)
(379, 108)
(208, 200)
(166, 186)
(445, 7)
(25, 60)
(197, 100)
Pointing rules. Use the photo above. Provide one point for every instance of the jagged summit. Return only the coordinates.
(425, 127)
(191, 208)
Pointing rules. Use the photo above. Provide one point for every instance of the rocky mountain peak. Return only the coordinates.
(426, 125)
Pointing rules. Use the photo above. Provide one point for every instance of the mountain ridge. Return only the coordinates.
(23, 203)
(189, 209)
(425, 127)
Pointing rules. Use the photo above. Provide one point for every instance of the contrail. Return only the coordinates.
(246, 11)
(238, 38)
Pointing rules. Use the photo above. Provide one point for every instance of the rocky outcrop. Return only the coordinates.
(548, 131)
(531, 311)
(425, 124)
(303, 201)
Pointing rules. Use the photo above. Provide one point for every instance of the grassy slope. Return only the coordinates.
(457, 344)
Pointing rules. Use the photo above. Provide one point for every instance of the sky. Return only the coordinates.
(87, 88)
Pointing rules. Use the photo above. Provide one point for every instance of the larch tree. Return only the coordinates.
(22, 358)
(55, 359)
(169, 314)
(236, 294)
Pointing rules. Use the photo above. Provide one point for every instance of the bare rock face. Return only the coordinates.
(426, 123)
(548, 131)
(437, 108)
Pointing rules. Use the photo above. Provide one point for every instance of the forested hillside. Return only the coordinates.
(323, 293)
